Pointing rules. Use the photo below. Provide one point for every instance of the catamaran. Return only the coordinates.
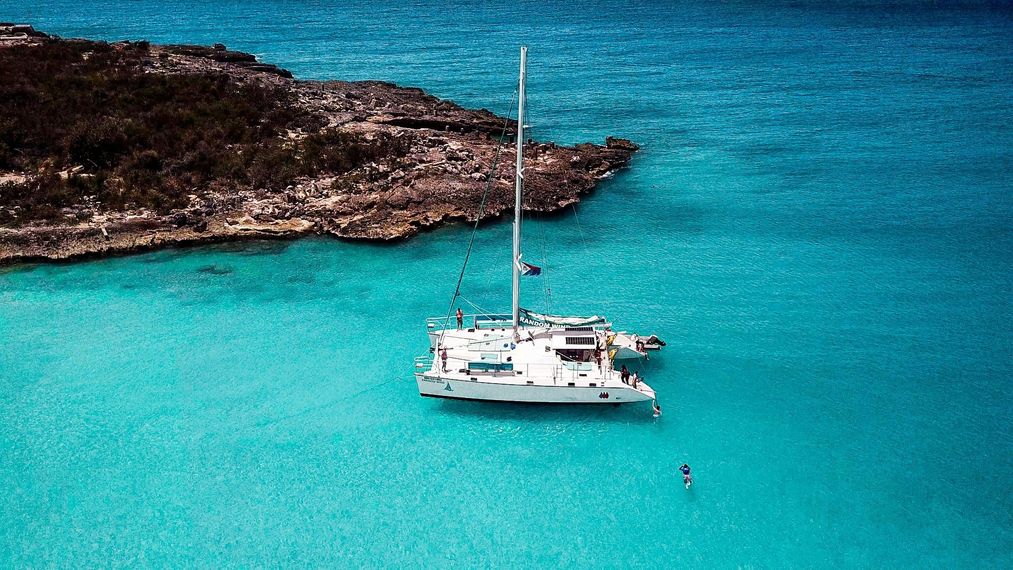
(527, 356)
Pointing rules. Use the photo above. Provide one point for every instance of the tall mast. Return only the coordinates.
(519, 191)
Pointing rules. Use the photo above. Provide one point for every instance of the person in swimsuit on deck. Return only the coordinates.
(460, 319)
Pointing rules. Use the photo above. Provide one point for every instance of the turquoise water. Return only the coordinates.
(820, 224)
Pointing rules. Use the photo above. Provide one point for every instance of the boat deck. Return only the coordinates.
(537, 357)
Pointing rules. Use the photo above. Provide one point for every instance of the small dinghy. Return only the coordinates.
(626, 346)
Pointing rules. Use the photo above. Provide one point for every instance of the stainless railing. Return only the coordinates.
(424, 362)
(469, 320)
(561, 374)
(496, 321)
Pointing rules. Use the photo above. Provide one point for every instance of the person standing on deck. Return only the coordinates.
(624, 374)
(443, 357)
(460, 319)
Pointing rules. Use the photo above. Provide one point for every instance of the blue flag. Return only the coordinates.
(530, 270)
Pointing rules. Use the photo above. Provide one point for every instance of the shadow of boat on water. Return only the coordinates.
(247, 247)
(215, 269)
(635, 413)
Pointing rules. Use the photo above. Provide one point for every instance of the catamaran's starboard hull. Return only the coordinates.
(436, 387)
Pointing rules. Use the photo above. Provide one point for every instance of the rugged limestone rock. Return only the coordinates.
(437, 166)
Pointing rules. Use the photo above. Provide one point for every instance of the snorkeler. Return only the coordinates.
(687, 478)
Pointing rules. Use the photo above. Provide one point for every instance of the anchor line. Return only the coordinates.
(474, 306)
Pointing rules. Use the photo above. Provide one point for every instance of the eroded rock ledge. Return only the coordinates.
(434, 166)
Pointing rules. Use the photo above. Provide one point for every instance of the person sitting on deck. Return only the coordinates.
(460, 319)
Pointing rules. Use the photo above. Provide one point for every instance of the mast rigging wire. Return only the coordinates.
(481, 210)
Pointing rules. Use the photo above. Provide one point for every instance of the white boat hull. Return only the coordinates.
(436, 387)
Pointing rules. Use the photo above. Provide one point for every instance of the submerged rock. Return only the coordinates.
(620, 144)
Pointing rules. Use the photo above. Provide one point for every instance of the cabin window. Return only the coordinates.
(580, 340)
(490, 366)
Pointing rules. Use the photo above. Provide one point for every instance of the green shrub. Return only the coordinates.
(148, 140)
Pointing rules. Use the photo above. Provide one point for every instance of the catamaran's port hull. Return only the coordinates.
(436, 387)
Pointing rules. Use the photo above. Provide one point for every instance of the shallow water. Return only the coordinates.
(819, 224)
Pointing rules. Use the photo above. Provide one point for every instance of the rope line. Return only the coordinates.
(547, 289)
(481, 211)
(480, 310)
(579, 227)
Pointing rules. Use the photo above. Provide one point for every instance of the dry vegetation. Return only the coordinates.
(90, 127)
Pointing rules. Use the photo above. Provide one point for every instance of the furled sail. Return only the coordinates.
(533, 318)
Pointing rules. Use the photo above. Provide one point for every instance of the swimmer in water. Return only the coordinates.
(686, 477)
(657, 408)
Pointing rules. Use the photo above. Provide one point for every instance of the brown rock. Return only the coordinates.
(620, 144)
(431, 165)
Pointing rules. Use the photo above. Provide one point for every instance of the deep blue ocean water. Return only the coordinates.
(820, 224)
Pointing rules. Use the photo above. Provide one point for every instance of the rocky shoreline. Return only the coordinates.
(437, 174)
